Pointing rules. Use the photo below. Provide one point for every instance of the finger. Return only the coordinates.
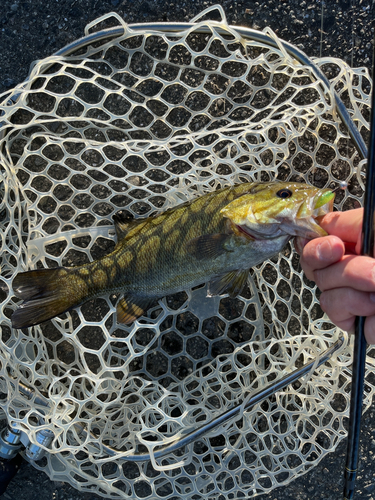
(321, 253)
(342, 304)
(346, 225)
(348, 325)
(352, 271)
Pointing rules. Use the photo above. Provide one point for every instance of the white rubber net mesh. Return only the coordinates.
(141, 122)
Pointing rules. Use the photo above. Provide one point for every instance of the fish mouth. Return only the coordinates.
(306, 225)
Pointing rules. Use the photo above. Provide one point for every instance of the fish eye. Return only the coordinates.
(284, 193)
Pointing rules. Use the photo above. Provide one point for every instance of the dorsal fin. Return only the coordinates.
(124, 221)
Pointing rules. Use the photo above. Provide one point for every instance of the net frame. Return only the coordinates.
(17, 357)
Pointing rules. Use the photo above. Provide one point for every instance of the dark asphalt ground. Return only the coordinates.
(34, 29)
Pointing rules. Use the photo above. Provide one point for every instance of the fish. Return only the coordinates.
(214, 238)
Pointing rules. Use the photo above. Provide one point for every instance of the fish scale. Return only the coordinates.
(216, 237)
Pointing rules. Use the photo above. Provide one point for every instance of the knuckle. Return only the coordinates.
(319, 278)
(323, 302)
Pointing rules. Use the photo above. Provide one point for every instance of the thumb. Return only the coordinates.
(346, 225)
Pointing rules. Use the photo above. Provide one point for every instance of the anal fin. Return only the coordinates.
(130, 308)
(231, 283)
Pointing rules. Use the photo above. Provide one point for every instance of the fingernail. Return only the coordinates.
(324, 250)
(372, 297)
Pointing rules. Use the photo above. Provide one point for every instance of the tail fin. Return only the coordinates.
(46, 293)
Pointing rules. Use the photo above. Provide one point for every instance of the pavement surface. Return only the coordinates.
(34, 29)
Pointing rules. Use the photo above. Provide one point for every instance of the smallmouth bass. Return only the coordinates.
(216, 237)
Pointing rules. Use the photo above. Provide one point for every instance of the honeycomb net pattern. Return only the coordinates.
(141, 122)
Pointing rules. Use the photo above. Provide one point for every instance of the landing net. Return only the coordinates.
(142, 121)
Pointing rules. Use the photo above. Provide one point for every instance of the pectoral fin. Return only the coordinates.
(208, 246)
(130, 308)
(231, 283)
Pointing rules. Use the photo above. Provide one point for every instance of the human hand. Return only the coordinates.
(346, 279)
